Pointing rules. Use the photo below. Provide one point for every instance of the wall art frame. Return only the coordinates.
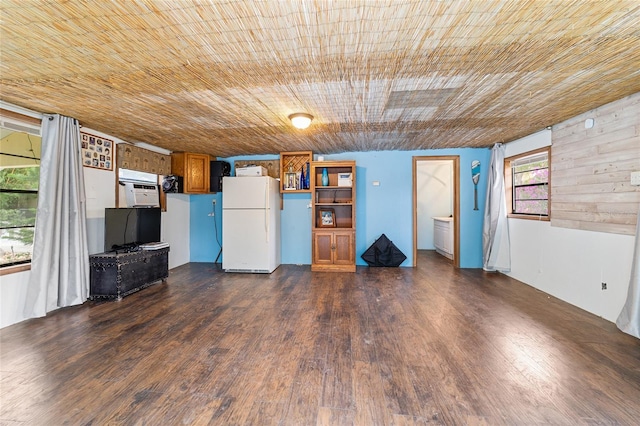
(97, 152)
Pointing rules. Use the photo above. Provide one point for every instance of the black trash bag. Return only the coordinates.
(383, 253)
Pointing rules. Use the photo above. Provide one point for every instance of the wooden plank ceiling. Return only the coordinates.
(221, 77)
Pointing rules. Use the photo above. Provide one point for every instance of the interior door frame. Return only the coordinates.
(456, 204)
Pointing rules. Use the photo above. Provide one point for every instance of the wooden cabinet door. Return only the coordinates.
(197, 173)
(322, 248)
(343, 253)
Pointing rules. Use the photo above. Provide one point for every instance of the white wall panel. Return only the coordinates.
(175, 229)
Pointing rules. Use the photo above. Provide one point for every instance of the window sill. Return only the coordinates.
(529, 217)
(13, 269)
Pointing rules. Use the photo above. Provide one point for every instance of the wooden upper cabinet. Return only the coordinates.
(194, 169)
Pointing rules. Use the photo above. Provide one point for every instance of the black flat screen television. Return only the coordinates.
(126, 228)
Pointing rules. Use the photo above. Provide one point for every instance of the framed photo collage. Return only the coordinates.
(97, 152)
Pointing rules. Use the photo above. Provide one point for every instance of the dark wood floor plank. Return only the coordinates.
(277, 385)
(337, 389)
(361, 327)
(305, 394)
(266, 413)
(391, 354)
(369, 395)
(383, 346)
(335, 417)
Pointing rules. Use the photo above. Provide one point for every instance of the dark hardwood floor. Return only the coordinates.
(382, 346)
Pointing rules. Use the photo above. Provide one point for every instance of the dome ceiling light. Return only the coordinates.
(301, 120)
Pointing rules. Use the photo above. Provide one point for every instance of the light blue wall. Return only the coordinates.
(204, 227)
(380, 209)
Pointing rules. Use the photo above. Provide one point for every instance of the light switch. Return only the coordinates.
(376, 183)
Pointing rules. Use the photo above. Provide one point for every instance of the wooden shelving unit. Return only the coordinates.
(334, 216)
(296, 162)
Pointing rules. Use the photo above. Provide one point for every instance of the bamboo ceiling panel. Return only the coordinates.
(221, 77)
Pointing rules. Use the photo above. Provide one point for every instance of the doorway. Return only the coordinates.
(440, 176)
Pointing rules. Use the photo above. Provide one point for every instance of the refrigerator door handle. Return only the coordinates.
(266, 210)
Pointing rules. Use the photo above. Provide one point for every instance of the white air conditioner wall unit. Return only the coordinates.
(141, 195)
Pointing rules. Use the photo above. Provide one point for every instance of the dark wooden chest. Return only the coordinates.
(115, 275)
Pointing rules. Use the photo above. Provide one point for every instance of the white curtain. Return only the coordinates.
(60, 263)
(629, 319)
(496, 248)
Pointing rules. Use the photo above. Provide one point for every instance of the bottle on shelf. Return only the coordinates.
(325, 177)
(307, 178)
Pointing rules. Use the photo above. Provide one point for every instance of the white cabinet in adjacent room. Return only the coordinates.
(443, 236)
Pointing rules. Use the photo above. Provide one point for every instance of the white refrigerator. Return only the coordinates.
(250, 224)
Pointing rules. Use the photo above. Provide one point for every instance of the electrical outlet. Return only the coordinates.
(214, 201)
(635, 178)
(604, 286)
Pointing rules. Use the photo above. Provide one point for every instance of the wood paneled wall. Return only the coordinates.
(591, 169)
